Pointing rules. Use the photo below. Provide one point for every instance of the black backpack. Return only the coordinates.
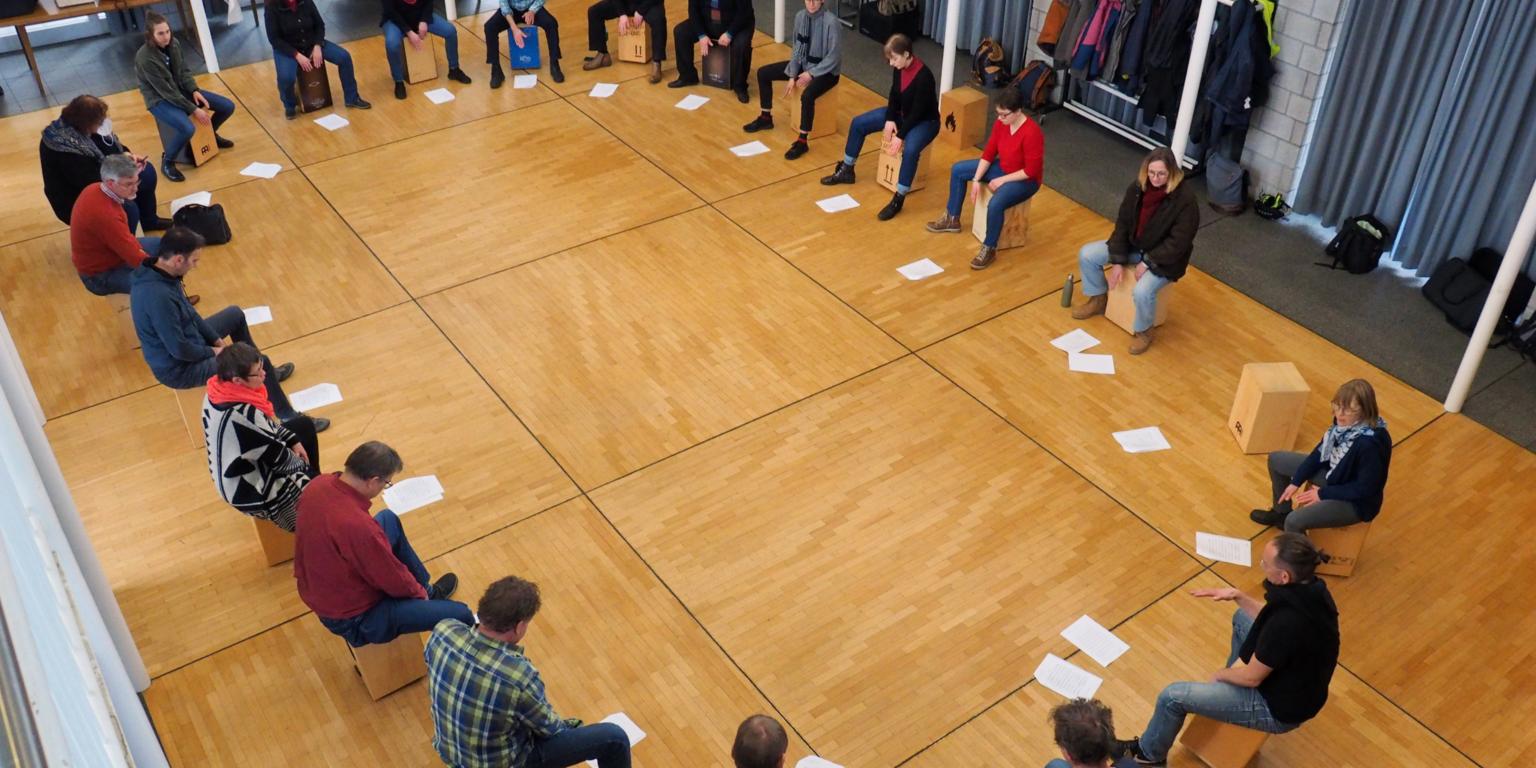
(206, 220)
(1459, 287)
(1359, 245)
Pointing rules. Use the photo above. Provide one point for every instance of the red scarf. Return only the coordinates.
(1150, 200)
(910, 73)
(230, 392)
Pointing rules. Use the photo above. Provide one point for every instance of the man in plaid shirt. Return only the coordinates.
(488, 703)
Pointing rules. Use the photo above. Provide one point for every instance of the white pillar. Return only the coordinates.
(1509, 269)
(951, 41)
(1196, 70)
(204, 35)
(450, 9)
(778, 21)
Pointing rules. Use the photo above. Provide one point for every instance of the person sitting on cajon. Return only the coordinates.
(631, 14)
(760, 743)
(259, 464)
(407, 22)
(1010, 166)
(1347, 469)
(909, 119)
(1154, 231)
(513, 16)
(488, 702)
(1085, 734)
(72, 150)
(297, 35)
(172, 95)
(730, 23)
(814, 67)
(358, 572)
(101, 246)
(179, 346)
(1283, 654)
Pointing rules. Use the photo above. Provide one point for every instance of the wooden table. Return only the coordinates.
(48, 10)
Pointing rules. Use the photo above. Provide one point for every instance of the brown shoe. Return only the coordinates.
(945, 224)
(1141, 342)
(597, 62)
(655, 72)
(1093, 306)
(984, 258)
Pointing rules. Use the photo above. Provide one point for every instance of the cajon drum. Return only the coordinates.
(962, 117)
(717, 66)
(123, 312)
(420, 66)
(1121, 309)
(314, 89)
(827, 115)
(888, 170)
(388, 667)
(525, 56)
(1267, 411)
(1343, 546)
(276, 543)
(1015, 221)
(1221, 745)
(200, 149)
(634, 46)
(190, 403)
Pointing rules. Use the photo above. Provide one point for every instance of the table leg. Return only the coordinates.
(26, 49)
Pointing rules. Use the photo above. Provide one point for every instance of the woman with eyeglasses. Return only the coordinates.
(259, 465)
(1154, 234)
(1347, 470)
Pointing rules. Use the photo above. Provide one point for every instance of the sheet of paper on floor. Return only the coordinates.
(919, 269)
(197, 198)
(1066, 678)
(1104, 364)
(1142, 440)
(315, 397)
(413, 493)
(812, 761)
(749, 149)
(603, 90)
(524, 82)
(1099, 643)
(439, 95)
(261, 170)
(1224, 548)
(692, 101)
(1076, 341)
(332, 122)
(840, 203)
(258, 315)
(630, 729)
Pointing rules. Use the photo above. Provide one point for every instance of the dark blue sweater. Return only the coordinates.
(1361, 475)
(172, 334)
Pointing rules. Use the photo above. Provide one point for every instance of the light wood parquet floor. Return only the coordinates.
(752, 467)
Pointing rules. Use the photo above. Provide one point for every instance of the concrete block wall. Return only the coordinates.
(1306, 31)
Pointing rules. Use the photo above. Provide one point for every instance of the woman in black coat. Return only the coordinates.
(1154, 233)
(71, 152)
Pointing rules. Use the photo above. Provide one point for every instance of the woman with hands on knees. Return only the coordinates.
(1347, 471)
(297, 35)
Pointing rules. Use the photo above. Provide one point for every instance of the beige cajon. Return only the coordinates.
(1015, 221)
(1221, 745)
(634, 46)
(1121, 309)
(276, 543)
(122, 311)
(827, 113)
(1267, 411)
(190, 403)
(203, 146)
(1343, 546)
(962, 117)
(388, 667)
(888, 170)
(420, 66)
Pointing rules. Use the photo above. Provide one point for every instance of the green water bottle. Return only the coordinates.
(1066, 291)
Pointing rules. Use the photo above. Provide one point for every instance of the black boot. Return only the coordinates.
(892, 208)
(554, 71)
(400, 89)
(497, 76)
(457, 75)
(842, 174)
(168, 169)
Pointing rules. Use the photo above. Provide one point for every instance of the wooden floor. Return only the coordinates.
(753, 468)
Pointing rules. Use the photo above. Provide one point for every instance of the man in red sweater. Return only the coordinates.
(1010, 166)
(103, 249)
(358, 572)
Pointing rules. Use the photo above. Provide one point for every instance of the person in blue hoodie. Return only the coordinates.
(179, 345)
(1347, 470)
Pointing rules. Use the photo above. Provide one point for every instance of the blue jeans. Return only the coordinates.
(144, 200)
(288, 74)
(1006, 196)
(180, 123)
(392, 617)
(118, 279)
(1092, 258)
(917, 140)
(1225, 702)
(604, 742)
(394, 42)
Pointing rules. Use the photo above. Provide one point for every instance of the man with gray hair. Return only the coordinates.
(103, 249)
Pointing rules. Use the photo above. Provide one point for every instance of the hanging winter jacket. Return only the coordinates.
(1130, 77)
(1072, 31)
(1087, 53)
(1115, 54)
(1239, 70)
(1167, 59)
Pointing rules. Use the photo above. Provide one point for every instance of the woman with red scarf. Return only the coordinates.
(259, 466)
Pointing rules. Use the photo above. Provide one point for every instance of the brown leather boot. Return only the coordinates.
(1141, 342)
(945, 224)
(984, 258)
(1093, 306)
(597, 61)
(655, 73)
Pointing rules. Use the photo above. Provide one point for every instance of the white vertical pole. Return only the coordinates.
(204, 35)
(1509, 268)
(450, 9)
(1196, 70)
(951, 42)
(778, 21)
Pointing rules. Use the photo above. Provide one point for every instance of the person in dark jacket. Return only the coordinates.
(909, 121)
(730, 23)
(1284, 651)
(631, 14)
(179, 345)
(513, 15)
(297, 35)
(1154, 232)
(1347, 470)
(172, 94)
(814, 67)
(71, 152)
(408, 22)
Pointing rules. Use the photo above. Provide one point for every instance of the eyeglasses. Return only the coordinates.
(1341, 408)
(389, 483)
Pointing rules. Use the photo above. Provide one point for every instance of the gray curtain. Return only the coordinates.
(1006, 20)
(1425, 123)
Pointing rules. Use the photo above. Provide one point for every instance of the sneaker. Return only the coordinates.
(399, 89)
(358, 103)
(892, 208)
(761, 123)
(945, 224)
(742, 95)
(321, 423)
(1268, 517)
(283, 372)
(497, 77)
(984, 258)
(683, 82)
(222, 142)
(800, 147)
(457, 75)
(290, 112)
(443, 588)
(1141, 342)
(1093, 306)
(597, 62)
(168, 169)
(1132, 748)
(842, 173)
(554, 72)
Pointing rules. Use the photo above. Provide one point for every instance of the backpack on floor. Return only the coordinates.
(1035, 82)
(206, 220)
(1460, 287)
(1226, 181)
(1359, 245)
(988, 65)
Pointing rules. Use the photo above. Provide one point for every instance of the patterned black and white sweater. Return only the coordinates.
(252, 465)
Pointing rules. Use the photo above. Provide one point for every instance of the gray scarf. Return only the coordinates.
(62, 137)
(1338, 440)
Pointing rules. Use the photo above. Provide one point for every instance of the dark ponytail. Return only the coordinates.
(1299, 556)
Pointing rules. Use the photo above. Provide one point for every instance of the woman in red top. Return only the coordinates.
(1010, 166)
